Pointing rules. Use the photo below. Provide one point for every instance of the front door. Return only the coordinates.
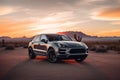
(43, 45)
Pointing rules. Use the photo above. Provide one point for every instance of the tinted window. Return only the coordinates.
(56, 37)
(65, 38)
(36, 39)
(43, 37)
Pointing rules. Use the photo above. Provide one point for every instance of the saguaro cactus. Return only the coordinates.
(119, 41)
(77, 38)
(3, 42)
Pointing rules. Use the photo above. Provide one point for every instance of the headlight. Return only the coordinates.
(60, 45)
(83, 44)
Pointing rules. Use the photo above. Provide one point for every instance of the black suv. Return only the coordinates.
(57, 47)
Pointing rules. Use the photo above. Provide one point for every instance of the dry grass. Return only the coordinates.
(13, 45)
(10, 47)
(104, 46)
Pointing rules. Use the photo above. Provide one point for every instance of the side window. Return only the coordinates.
(65, 38)
(43, 37)
(36, 39)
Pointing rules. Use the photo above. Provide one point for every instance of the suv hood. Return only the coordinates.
(72, 44)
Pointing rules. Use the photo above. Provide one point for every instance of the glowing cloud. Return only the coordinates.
(58, 17)
(15, 28)
(4, 10)
(107, 14)
(116, 23)
(21, 18)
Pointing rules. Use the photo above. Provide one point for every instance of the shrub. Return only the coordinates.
(117, 48)
(101, 48)
(3, 43)
(93, 48)
(118, 52)
(17, 45)
(10, 47)
(25, 46)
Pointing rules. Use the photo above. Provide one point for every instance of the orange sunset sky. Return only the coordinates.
(30, 17)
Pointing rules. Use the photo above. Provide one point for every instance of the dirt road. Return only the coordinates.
(15, 65)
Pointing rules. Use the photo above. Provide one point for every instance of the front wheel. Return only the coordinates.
(52, 58)
(80, 59)
(31, 54)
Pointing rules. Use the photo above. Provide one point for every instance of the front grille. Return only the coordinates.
(62, 51)
(78, 51)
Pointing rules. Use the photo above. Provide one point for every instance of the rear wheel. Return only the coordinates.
(31, 54)
(80, 59)
(52, 58)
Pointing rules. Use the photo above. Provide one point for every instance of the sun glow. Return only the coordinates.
(48, 19)
(46, 28)
(49, 31)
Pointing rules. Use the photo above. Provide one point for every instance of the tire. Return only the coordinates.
(81, 59)
(31, 54)
(52, 58)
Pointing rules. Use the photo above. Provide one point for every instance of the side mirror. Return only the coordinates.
(43, 40)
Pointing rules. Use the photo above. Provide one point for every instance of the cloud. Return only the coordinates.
(107, 14)
(116, 23)
(58, 17)
(58, 20)
(4, 10)
(54, 14)
(39, 4)
(90, 1)
(15, 28)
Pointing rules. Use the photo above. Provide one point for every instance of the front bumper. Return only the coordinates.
(72, 53)
(72, 56)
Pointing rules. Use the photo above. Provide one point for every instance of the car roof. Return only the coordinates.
(51, 34)
(48, 34)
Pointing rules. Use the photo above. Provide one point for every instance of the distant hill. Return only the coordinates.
(9, 39)
(85, 37)
(71, 34)
(89, 38)
(4, 37)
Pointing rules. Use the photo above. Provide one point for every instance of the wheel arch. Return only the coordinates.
(50, 48)
(29, 48)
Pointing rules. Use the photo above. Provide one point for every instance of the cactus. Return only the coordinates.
(3, 43)
(119, 41)
(77, 38)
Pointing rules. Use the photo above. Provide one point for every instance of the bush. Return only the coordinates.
(117, 48)
(102, 48)
(118, 52)
(93, 48)
(3, 45)
(10, 47)
(17, 45)
(25, 46)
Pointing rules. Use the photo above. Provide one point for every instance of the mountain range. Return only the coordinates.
(71, 34)
(84, 36)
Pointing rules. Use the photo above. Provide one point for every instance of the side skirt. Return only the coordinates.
(40, 53)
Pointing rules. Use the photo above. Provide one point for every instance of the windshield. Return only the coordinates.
(56, 37)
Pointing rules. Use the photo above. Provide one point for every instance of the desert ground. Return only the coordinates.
(16, 65)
